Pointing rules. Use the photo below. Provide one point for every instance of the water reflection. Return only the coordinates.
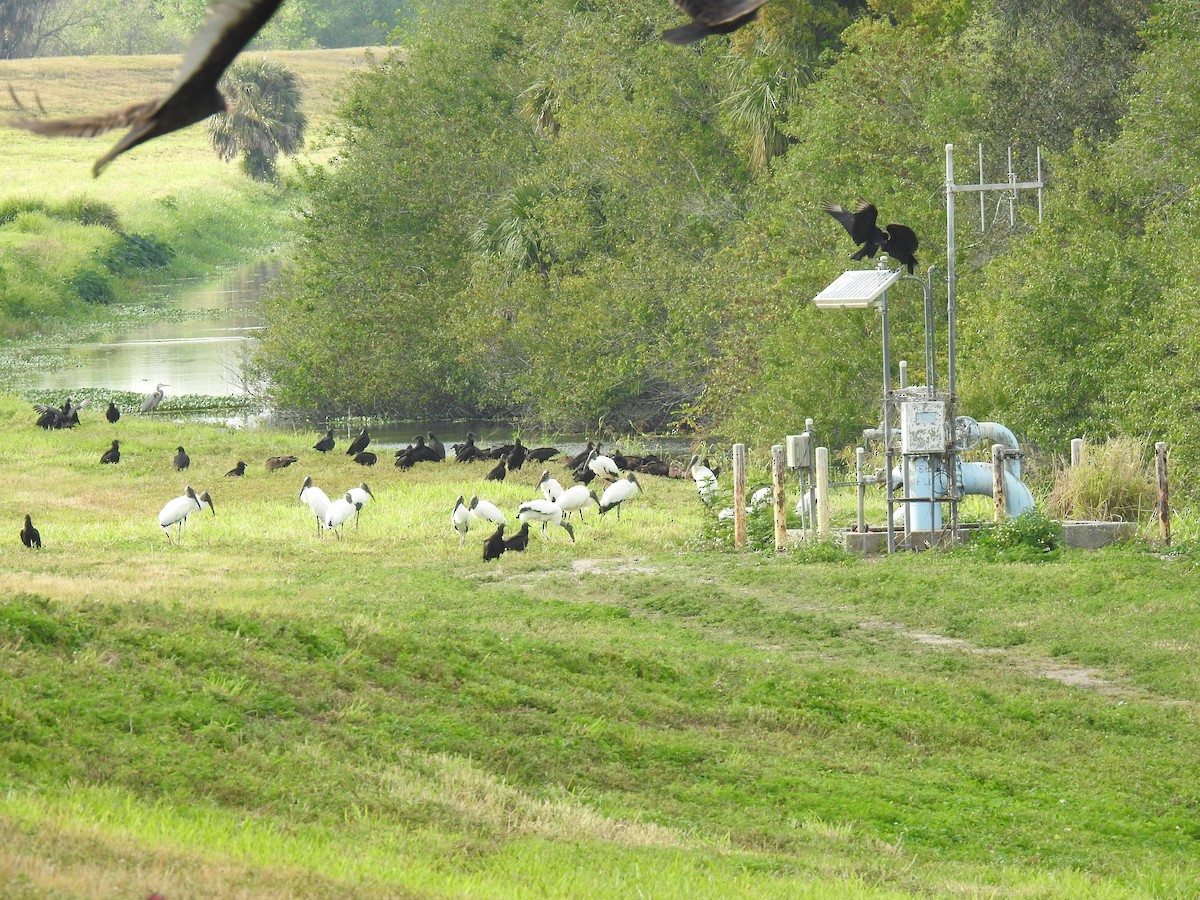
(204, 351)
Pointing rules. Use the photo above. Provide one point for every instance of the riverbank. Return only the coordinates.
(263, 711)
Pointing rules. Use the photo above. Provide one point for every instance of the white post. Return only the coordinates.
(822, 463)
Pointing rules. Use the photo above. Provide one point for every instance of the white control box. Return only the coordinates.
(923, 426)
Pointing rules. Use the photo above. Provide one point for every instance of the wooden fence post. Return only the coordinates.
(1164, 506)
(1000, 507)
(739, 496)
(821, 459)
(778, 475)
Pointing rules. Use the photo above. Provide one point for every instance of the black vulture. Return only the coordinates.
(711, 17)
(494, 545)
(30, 536)
(861, 226)
(112, 455)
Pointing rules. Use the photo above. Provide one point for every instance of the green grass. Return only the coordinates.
(264, 712)
(174, 188)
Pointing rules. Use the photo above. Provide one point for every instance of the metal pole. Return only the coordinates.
(1039, 180)
(982, 207)
(1012, 194)
(860, 459)
(950, 325)
(887, 424)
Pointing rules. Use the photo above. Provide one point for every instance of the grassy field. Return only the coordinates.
(173, 190)
(262, 712)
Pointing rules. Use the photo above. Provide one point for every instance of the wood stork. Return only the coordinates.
(112, 455)
(181, 460)
(494, 545)
(112, 413)
(30, 536)
(618, 492)
(460, 518)
(706, 481)
(361, 496)
(359, 444)
(274, 463)
(237, 471)
(340, 511)
(518, 541)
(325, 444)
(577, 498)
(316, 500)
(551, 489)
(176, 512)
(154, 398)
(545, 511)
(486, 511)
(603, 466)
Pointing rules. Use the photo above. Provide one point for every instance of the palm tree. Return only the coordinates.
(763, 86)
(264, 117)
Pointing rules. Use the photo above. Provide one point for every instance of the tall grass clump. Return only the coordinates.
(1113, 483)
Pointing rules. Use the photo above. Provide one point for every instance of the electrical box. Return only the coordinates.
(923, 427)
(799, 451)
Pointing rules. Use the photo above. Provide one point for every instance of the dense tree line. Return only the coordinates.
(543, 210)
(126, 27)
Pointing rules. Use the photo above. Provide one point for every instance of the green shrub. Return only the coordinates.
(1113, 483)
(87, 211)
(137, 251)
(1030, 537)
(92, 287)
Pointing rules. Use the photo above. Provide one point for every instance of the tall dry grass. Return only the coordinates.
(1113, 483)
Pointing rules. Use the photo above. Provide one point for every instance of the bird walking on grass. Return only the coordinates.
(577, 498)
(487, 511)
(518, 541)
(177, 511)
(30, 536)
(316, 500)
(325, 444)
(618, 492)
(181, 460)
(112, 455)
(275, 463)
(340, 511)
(366, 458)
(547, 512)
(361, 497)
(460, 518)
(192, 97)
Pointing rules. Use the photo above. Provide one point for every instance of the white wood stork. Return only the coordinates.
(316, 500)
(551, 489)
(577, 498)
(618, 492)
(545, 511)
(603, 466)
(340, 511)
(706, 481)
(460, 518)
(361, 496)
(486, 511)
(176, 512)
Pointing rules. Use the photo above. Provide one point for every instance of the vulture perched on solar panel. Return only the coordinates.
(711, 17)
(193, 96)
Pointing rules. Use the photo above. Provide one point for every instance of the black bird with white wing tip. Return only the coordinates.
(30, 536)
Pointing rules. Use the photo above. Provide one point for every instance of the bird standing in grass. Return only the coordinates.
(112, 455)
(516, 456)
(366, 458)
(460, 518)
(275, 463)
(359, 444)
(112, 413)
(436, 446)
(618, 492)
(30, 536)
(340, 511)
(325, 444)
(487, 511)
(316, 500)
(177, 511)
(493, 547)
(154, 398)
(518, 541)
(181, 460)
(705, 478)
(360, 496)
(551, 489)
(577, 498)
(498, 472)
(237, 471)
(193, 95)
(546, 512)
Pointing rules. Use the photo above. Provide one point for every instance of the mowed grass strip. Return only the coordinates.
(268, 711)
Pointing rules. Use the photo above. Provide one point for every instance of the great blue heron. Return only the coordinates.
(154, 398)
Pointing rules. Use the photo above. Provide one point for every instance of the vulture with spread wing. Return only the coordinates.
(230, 25)
(711, 17)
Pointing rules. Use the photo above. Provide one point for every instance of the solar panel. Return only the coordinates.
(858, 289)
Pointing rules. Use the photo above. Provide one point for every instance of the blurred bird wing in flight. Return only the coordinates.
(711, 17)
(193, 96)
